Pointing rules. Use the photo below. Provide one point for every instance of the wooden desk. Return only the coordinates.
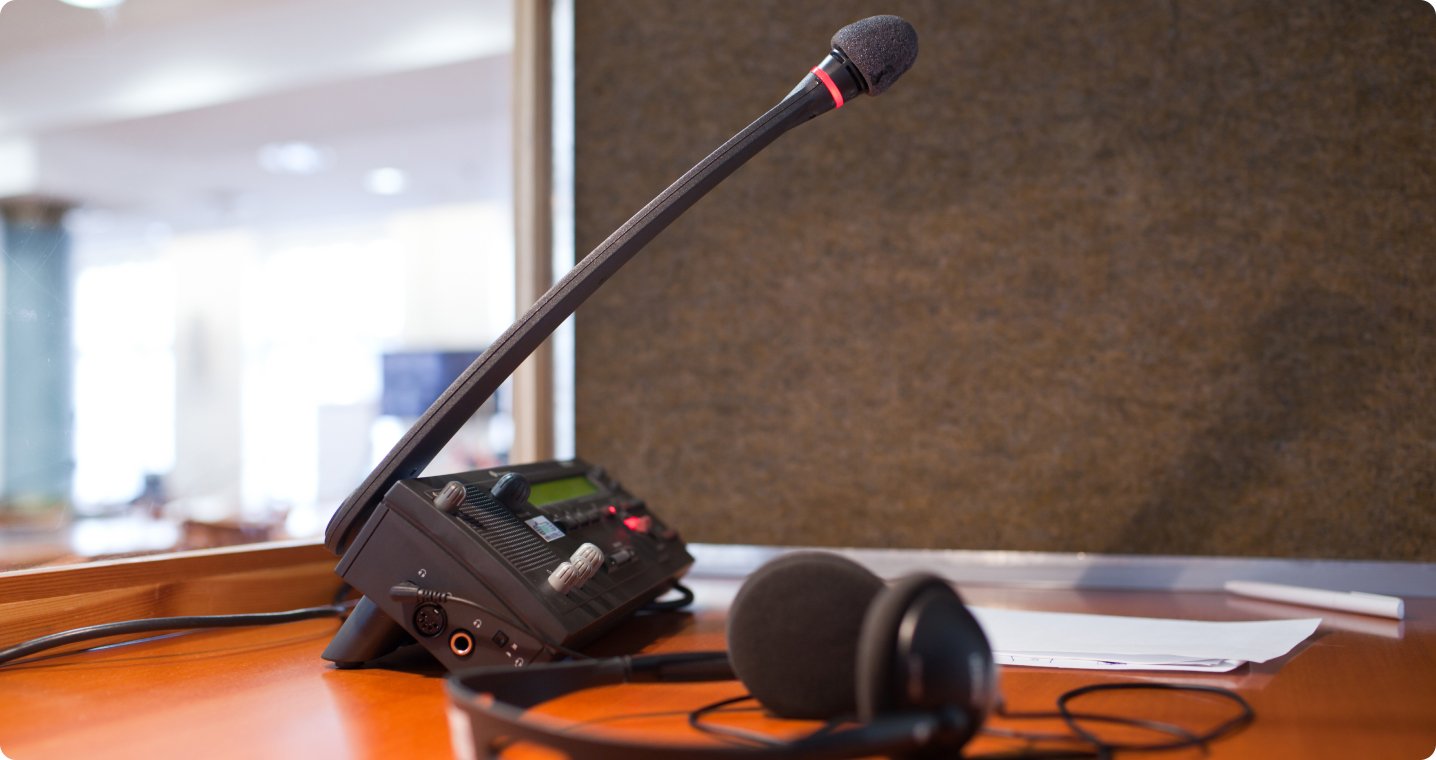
(1362, 687)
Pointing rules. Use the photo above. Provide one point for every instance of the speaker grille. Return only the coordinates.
(504, 531)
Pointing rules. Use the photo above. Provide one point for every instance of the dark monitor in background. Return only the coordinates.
(413, 379)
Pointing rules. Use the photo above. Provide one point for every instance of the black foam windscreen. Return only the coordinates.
(881, 47)
(793, 633)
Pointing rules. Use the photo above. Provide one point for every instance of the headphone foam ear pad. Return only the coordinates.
(793, 633)
(921, 649)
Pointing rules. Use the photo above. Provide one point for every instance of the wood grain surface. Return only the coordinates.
(273, 576)
(1360, 687)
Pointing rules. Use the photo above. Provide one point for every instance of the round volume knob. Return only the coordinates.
(579, 568)
(512, 490)
(450, 497)
(588, 559)
(565, 578)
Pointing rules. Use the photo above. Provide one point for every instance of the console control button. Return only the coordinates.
(450, 497)
(512, 490)
(578, 570)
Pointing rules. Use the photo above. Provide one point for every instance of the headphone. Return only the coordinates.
(811, 636)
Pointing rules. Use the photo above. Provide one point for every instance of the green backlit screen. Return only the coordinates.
(562, 489)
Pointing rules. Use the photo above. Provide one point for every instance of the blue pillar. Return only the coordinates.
(38, 413)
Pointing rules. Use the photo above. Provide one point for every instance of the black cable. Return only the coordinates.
(1098, 749)
(744, 737)
(752, 738)
(150, 625)
(684, 599)
(1155, 726)
(1244, 715)
(728, 733)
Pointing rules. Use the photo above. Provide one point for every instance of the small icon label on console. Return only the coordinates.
(546, 530)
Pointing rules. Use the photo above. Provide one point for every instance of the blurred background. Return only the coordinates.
(245, 245)
(1110, 276)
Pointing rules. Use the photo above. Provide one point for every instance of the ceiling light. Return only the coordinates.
(294, 157)
(386, 181)
(92, 5)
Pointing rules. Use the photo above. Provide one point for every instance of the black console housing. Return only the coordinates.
(501, 554)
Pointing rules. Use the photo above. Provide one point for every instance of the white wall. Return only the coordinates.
(212, 272)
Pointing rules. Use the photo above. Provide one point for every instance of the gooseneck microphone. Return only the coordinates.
(867, 57)
(881, 48)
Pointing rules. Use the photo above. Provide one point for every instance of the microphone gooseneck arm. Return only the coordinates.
(825, 88)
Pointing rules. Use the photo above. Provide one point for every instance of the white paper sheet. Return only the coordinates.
(1110, 642)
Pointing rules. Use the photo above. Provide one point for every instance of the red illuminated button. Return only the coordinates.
(638, 524)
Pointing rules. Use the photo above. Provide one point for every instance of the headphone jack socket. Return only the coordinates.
(461, 643)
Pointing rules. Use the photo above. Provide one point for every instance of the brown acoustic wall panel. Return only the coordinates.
(1094, 276)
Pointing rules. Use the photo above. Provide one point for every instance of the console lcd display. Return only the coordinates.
(562, 489)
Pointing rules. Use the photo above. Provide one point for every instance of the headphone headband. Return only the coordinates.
(494, 722)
